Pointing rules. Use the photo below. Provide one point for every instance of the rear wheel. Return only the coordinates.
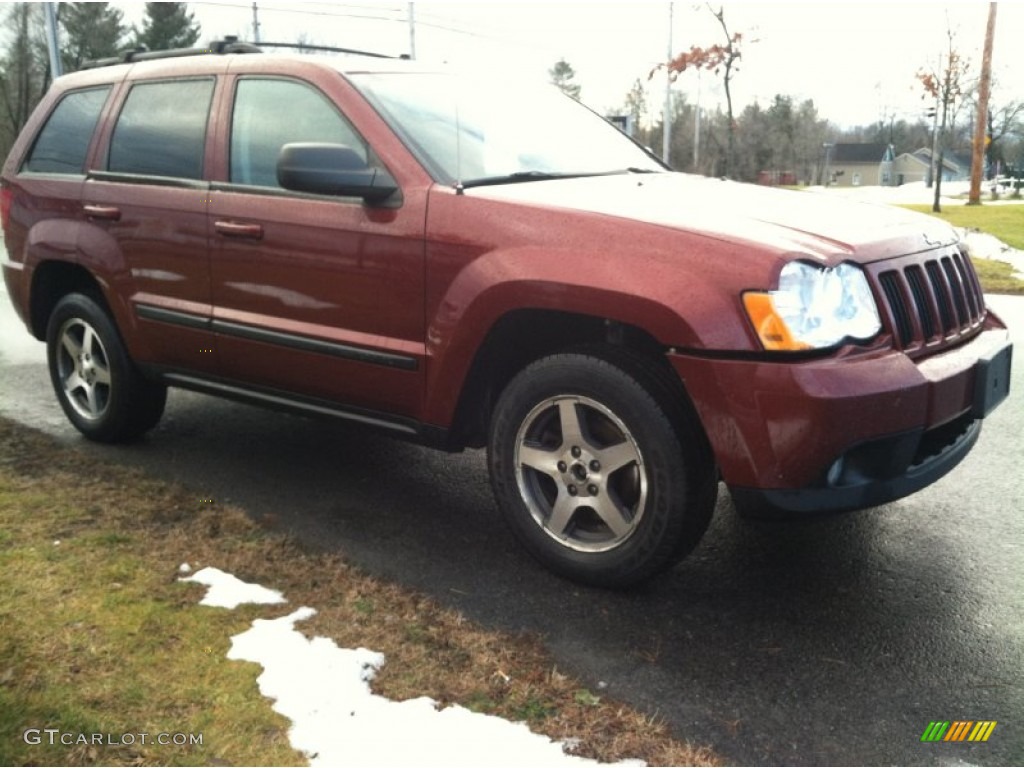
(601, 476)
(98, 386)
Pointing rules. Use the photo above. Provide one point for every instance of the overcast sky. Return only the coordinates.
(856, 59)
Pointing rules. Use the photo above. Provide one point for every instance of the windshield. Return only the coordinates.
(485, 132)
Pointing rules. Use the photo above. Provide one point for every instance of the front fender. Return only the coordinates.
(677, 308)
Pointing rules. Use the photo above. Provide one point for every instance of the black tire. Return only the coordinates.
(600, 474)
(99, 388)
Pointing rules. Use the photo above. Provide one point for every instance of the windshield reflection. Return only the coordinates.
(474, 132)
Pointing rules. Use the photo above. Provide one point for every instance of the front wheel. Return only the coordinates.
(98, 386)
(599, 474)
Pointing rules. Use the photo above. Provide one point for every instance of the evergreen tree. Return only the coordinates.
(562, 75)
(167, 26)
(24, 69)
(91, 31)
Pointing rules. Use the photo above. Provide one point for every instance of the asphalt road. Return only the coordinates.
(817, 643)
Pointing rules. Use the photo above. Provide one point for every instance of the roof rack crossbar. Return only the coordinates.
(229, 44)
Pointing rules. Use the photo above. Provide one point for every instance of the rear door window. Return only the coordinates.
(162, 129)
(64, 140)
(270, 113)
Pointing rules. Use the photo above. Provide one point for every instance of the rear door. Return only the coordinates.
(147, 201)
(315, 297)
(43, 197)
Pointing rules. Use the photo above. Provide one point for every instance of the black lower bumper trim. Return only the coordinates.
(854, 490)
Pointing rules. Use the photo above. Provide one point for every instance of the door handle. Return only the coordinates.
(234, 229)
(106, 212)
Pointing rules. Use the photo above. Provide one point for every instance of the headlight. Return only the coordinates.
(814, 308)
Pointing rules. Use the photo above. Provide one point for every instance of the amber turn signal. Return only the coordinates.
(770, 328)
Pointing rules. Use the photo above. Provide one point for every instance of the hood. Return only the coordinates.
(787, 222)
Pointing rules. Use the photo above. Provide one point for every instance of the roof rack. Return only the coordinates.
(230, 44)
(333, 49)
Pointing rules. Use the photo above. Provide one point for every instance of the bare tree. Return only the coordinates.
(635, 104)
(1005, 123)
(722, 59)
(948, 85)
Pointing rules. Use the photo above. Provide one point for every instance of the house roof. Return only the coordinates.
(914, 157)
(859, 153)
(950, 160)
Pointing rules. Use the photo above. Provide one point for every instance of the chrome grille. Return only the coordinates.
(930, 300)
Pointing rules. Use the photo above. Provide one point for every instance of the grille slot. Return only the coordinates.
(922, 300)
(941, 291)
(931, 299)
(900, 315)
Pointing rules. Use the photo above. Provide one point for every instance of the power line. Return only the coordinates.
(264, 7)
(442, 23)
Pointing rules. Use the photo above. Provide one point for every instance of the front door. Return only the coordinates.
(316, 297)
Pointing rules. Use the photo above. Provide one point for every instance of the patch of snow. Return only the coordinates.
(951, 193)
(184, 568)
(337, 720)
(986, 246)
(982, 245)
(227, 591)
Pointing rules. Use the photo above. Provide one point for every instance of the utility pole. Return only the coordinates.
(412, 31)
(934, 115)
(255, 23)
(696, 130)
(50, 17)
(933, 165)
(981, 120)
(667, 114)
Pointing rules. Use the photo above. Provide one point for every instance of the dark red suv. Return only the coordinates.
(464, 266)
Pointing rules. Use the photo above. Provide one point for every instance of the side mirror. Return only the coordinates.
(332, 169)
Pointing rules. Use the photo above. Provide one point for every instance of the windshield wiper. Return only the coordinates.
(521, 176)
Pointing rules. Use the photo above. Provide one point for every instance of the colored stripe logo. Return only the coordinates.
(958, 730)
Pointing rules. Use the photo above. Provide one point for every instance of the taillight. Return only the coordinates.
(6, 198)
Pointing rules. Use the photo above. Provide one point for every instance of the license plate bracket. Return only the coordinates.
(991, 381)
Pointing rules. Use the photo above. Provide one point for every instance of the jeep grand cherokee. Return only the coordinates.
(471, 266)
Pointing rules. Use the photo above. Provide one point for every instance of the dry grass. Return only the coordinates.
(98, 636)
(998, 277)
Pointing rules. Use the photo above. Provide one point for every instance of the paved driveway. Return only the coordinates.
(828, 642)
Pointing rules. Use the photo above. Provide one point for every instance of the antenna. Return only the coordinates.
(459, 189)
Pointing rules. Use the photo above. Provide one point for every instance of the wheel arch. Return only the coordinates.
(52, 281)
(520, 337)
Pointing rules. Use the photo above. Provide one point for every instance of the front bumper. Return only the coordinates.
(844, 432)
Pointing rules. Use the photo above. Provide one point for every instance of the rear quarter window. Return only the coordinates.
(63, 142)
(161, 130)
